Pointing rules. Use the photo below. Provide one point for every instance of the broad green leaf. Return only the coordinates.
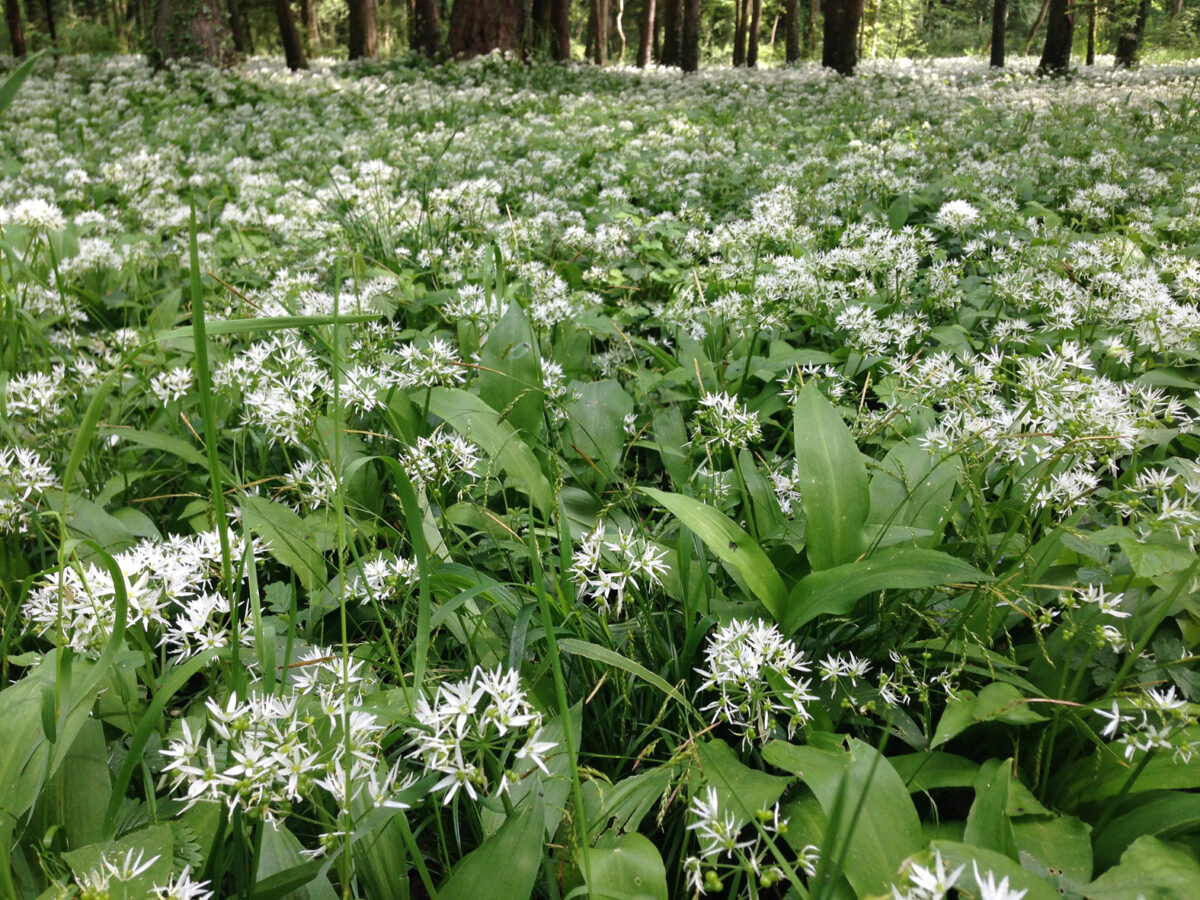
(472, 418)
(1159, 814)
(955, 854)
(505, 865)
(934, 769)
(1149, 870)
(626, 867)
(80, 790)
(730, 544)
(1059, 848)
(283, 871)
(1157, 556)
(289, 539)
(988, 825)
(833, 482)
(1091, 781)
(877, 826)
(912, 488)
(835, 591)
(998, 701)
(27, 756)
(12, 84)
(597, 423)
(154, 845)
(897, 213)
(156, 440)
(510, 379)
(740, 789)
(621, 807)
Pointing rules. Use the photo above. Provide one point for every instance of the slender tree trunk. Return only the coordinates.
(51, 28)
(16, 34)
(646, 38)
(1131, 38)
(840, 49)
(689, 51)
(1060, 30)
(243, 43)
(999, 20)
(1037, 23)
(481, 26)
(1091, 34)
(193, 29)
(791, 31)
(598, 26)
(364, 33)
(755, 28)
(621, 30)
(814, 10)
(672, 37)
(739, 32)
(293, 48)
(560, 24)
(312, 27)
(425, 28)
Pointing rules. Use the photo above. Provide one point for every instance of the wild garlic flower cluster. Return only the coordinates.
(722, 421)
(97, 883)
(730, 843)
(607, 568)
(170, 586)
(758, 677)
(1155, 720)
(440, 458)
(935, 882)
(24, 476)
(481, 733)
(435, 363)
(269, 753)
(382, 579)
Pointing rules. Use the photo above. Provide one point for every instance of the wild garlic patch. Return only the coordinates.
(503, 475)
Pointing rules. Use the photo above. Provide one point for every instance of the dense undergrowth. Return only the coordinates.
(493, 481)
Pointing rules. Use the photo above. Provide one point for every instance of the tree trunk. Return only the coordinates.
(364, 33)
(1091, 34)
(672, 37)
(814, 10)
(481, 26)
(1131, 38)
(16, 34)
(599, 41)
(840, 48)
(1037, 23)
(739, 32)
(193, 29)
(560, 24)
(755, 27)
(293, 48)
(689, 51)
(51, 28)
(243, 41)
(1060, 30)
(620, 22)
(312, 27)
(425, 29)
(646, 38)
(791, 31)
(999, 20)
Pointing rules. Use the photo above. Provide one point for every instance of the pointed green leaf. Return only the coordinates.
(835, 591)
(833, 482)
(511, 378)
(626, 867)
(505, 865)
(730, 544)
(472, 418)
